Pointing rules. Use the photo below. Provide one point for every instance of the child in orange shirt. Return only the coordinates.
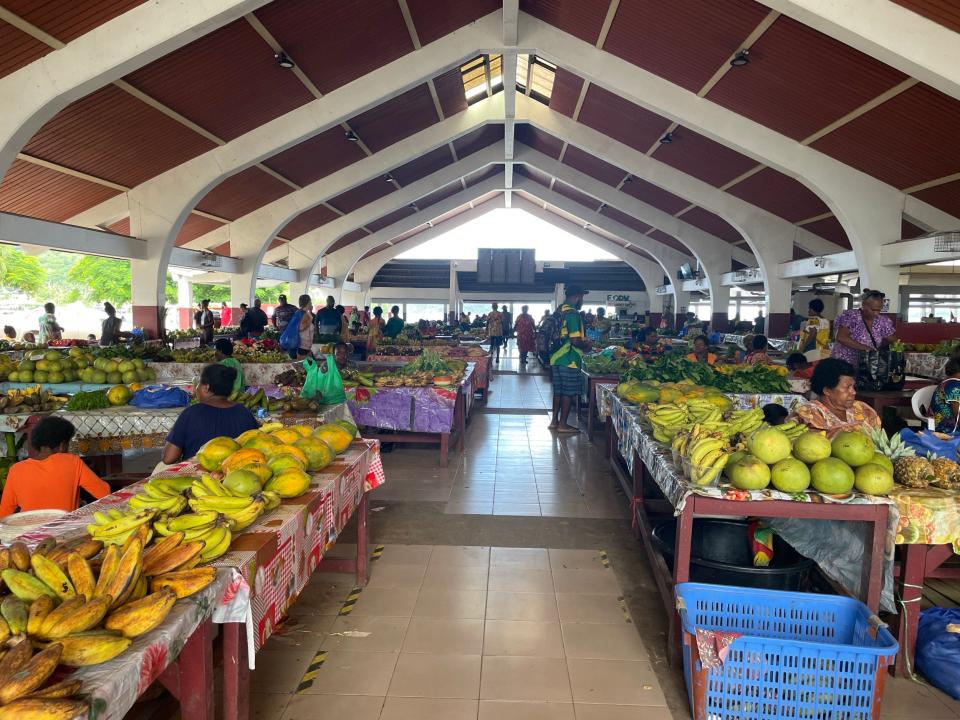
(52, 479)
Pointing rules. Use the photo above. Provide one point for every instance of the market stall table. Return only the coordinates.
(254, 374)
(481, 370)
(592, 382)
(926, 365)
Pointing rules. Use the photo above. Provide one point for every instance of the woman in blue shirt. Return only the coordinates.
(213, 416)
(945, 406)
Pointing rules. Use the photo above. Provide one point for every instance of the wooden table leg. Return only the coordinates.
(591, 404)
(236, 672)
(196, 674)
(911, 590)
(444, 449)
(871, 578)
(681, 573)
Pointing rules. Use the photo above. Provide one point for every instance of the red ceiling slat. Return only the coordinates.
(194, 227)
(242, 193)
(121, 227)
(18, 49)
(433, 20)
(308, 220)
(276, 242)
(422, 166)
(692, 153)
(375, 250)
(713, 224)
(568, 191)
(336, 41)
(909, 139)
(625, 219)
(670, 241)
(829, 229)
(794, 84)
(653, 195)
(800, 254)
(780, 194)
(317, 157)
(227, 82)
(439, 195)
(449, 87)
(347, 239)
(684, 41)
(67, 21)
(621, 120)
(390, 219)
(593, 166)
(409, 234)
(946, 197)
(29, 189)
(566, 92)
(538, 140)
(908, 230)
(112, 135)
(223, 249)
(582, 18)
(400, 117)
(484, 174)
(944, 12)
(531, 172)
(478, 139)
(362, 195)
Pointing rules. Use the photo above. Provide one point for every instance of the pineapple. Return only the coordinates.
(946, 474)
(893, 447)
(914, 472)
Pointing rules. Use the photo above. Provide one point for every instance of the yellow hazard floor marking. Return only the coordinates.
(604, 560)
(350, 601)
(377, 552)
(623, 609)
(312, 669)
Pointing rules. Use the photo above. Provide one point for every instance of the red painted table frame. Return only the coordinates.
(592, 382)
(916, 563)
(236, 666)
(189, 678)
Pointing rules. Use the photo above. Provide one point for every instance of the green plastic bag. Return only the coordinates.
(326, 387)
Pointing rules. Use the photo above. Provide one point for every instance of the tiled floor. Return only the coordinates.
(465, 632)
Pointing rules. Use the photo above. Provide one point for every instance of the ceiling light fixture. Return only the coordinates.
(628, 179)
(667, 139)
(740, 59)
(351, 136)
(284, 61)
(388, 177)
(413, 206)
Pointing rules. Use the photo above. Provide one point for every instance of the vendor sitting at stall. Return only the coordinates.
(701, 351)
(213, 416)
(836, 407)
(223, 353)
(652, 345)
(945, 405)
(758, 351)
(799, 367)
(51, 479)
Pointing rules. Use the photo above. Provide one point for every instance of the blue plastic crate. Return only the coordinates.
(817, 657)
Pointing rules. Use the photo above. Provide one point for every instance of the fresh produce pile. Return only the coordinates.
(6, 345)
(67, 343)
(88, 400)
(674, 367)
(78, 364)
(134, 351)
(7, 366)
(913, 471)
(30, 400)
(601, 364)
(429, 368)
(240, 352)
(288, 403)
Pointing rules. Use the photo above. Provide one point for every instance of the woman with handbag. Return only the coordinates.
(864, 329)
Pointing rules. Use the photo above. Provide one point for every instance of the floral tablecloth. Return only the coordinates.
(925, 365)
(481, 370)
(188, 373)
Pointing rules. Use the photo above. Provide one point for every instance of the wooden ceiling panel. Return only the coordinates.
(317, 157)
(422, 166)
(670, 241)
(362, 195)
(568, 191)
(538, 140)
(478, 139)
(242, 193)
(593, 166)
(909, 231)
(705, 159)
(17, 49)
(566, 92)
(799, 80)
(625, 219)
(944, 12)
(653, 195)
(336, 41)
(449, 87)
(194, 227)
(347, 239)
(433, 20)
(800, 254)
(120, 227)
(112, 135)
(227, 82)
(308, 220)
(486, 173)
(684, 41)
(390, 219)
(713, 224)
(780, 194)
(67, 21)
(582, 18)
(439, 195)
(35, 191)
(395, 119)
(908, 140)
(946, 197)
(620, 119)
(829, 229)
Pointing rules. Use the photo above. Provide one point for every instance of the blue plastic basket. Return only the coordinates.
(799, 655)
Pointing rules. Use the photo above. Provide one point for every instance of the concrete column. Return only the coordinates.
(778, 307)
(184, 301)
(719, 307)
(872, 222)
(681, 301)
(243, 287)
(300, 287)
(454, 309)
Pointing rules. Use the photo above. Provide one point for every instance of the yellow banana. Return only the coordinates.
(31, 675)
(217, 543)
(240, 519)
(91, 648)
(79, 618)
(184, 582)
(136, 618)
(173, 558)
(192, 520)
(52, 576)
(63, 689)
(81, 575)
(108, 568)
(25, 586)
(39, 609)
(126, 576)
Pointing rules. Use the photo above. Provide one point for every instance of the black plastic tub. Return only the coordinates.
(720, 555)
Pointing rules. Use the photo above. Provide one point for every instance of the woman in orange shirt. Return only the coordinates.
(52, 479)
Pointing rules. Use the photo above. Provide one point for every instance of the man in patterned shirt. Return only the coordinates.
(566, 361)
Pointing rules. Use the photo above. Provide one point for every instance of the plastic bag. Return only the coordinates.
(938, 651)
(290, 338)
(160, 396)
(927, 442)
(327, 387)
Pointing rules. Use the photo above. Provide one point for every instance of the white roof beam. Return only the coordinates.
(20, 229)
(508, 64)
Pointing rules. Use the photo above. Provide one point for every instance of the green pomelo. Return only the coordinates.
(750, 473)
(811, 447)
(832, 476)
(873, 479)
(790, 476)
(853, 447)
(769, 445)
(881, 459)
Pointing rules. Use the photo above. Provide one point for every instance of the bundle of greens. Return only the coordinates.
(428, 361)
(674, 367)
(92, 400)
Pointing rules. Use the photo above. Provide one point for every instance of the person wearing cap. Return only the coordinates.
(567, 360)
(110, 327)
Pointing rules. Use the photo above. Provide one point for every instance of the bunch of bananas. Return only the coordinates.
(32, 399)
(708, 453)
(240, 511)
(22, 675)
(160, 496)
(667, 420)
(209, 528)
(792, 429)
(115, 527)
(745, 421)
(703, 411)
